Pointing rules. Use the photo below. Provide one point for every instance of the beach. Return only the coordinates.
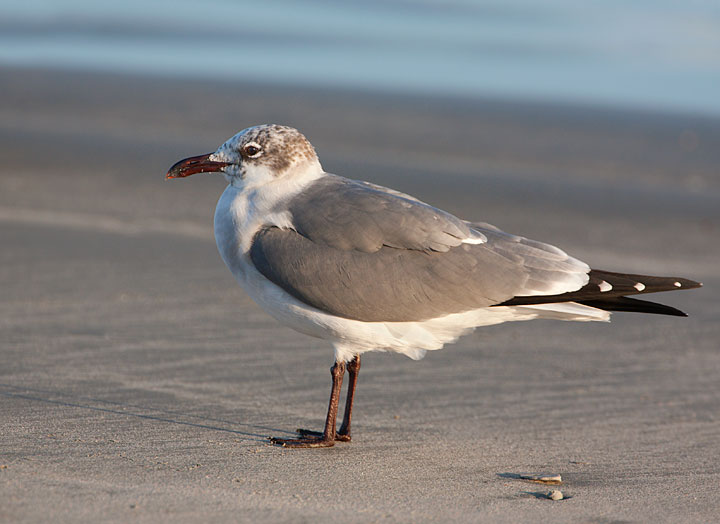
(140, 383)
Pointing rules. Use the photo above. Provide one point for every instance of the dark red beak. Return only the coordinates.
(195, 164)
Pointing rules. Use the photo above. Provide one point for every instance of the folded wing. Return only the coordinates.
(366, 254)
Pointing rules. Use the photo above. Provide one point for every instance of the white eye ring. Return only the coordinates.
(252, 150)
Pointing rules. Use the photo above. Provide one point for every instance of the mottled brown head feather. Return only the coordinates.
(280, 147)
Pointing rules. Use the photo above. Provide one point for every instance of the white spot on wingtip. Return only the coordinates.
(677, 284)
(639, 286)
(604, 286)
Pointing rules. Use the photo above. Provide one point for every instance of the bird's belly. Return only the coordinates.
(355, 336)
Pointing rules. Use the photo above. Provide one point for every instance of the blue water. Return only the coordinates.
(649, 54)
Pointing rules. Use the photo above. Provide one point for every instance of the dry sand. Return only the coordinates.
(139, 383)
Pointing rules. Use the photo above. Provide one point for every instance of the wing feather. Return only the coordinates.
(398, 285)
(369, 253)
(346, 214)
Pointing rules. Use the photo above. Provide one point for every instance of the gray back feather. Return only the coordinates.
(336, 266)
(346, 214)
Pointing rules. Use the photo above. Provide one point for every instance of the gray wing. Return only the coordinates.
(397, 285)
(548, 268)
(348, 214)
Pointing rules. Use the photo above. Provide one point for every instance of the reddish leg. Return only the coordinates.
(327, 438)
(353, 368)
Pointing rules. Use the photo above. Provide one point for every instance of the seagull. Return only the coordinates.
(368, 268)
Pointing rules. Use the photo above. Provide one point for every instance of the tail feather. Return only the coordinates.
(607, 290)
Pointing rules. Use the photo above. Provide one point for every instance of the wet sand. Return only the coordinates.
(139, 383)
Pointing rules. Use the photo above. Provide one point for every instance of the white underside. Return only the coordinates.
(353, 337)
(238, 218)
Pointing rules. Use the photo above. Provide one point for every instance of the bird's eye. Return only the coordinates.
(252, 150)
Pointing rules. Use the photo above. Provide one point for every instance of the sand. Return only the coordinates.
(139, 383)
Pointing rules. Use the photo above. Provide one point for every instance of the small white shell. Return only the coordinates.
(555, 494)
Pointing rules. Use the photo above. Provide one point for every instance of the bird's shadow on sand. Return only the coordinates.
(122, 408)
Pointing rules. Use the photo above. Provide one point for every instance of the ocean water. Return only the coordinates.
(647, 54)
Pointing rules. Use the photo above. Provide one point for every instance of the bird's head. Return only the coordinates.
(255, 156)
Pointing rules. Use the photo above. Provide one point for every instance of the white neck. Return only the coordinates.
(247, 206)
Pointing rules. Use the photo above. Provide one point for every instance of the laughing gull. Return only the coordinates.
(369, 268)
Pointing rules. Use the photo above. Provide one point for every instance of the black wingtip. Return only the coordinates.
(686, 283)
(633, 305)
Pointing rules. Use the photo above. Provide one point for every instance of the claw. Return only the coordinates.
(310, 433)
